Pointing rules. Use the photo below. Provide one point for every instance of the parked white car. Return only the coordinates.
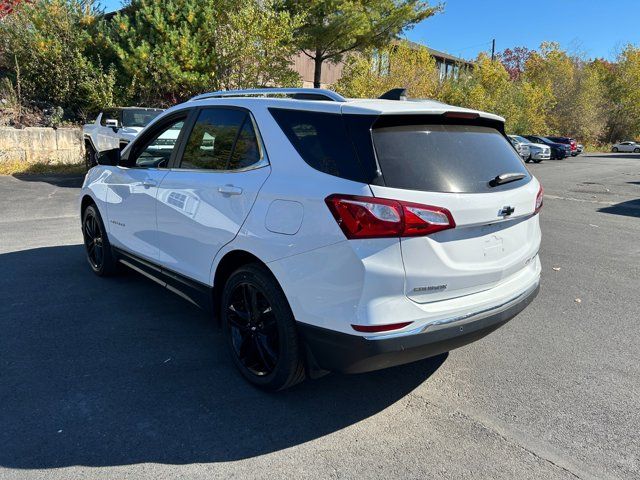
(326, 234)
(115, 128)
(537, 151)
(626, 147)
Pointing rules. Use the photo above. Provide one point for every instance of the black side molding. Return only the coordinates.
(198, 293)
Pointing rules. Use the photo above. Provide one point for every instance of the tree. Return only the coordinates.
(336, 27)
(621, 81)
(51, 44)
(514, 60)
(170, 51)
(398, 65)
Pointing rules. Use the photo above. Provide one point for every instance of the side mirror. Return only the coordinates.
(108, 157)
(111, 122)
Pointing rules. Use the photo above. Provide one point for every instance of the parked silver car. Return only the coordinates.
(537, 151)
(627, 146)
(521, 148)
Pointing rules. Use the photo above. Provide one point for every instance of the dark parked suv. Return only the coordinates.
(567, 141)
(558, 150)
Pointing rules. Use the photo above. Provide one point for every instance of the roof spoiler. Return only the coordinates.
(395, 94)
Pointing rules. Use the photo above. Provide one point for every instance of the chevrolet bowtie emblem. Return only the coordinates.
(506, 211)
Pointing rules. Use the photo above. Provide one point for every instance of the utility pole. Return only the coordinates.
(493, 49)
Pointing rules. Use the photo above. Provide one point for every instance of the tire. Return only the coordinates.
(636, 150)
(260, 330)
(614, 149)
(97, 247)
(89, 156)
(537, 160)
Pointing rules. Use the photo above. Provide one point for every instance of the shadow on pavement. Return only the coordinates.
(58, 180)
(633, 156)
(118, 371)
(630, 208)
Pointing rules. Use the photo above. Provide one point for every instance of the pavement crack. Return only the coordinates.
(517, 438)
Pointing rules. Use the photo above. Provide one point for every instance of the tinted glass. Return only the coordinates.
(212, 138)
(321, 140)
(138, 118)
(246, 151)
(446, 158)
(158, 151)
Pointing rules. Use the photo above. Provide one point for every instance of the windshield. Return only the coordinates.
(520, 139)
(138, 118)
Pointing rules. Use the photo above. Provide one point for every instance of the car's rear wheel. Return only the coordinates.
(260, 329)
(614, 149)
(636, 150)
(96, 243)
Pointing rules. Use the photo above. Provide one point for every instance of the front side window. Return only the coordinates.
(157, 151)
(221, 139)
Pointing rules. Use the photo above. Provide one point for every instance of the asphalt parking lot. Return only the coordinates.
(119, 378)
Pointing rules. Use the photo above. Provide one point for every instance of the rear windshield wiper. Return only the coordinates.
(506, 178)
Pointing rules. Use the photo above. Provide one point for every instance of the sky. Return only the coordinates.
(595, 28)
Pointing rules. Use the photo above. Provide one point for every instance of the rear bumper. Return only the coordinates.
(341, 352)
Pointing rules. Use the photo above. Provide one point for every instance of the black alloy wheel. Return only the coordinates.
(253, 328)
(96, 243)
(260, 329)
(93, 240)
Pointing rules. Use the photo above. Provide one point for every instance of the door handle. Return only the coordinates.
(229, 190)
(149, 183)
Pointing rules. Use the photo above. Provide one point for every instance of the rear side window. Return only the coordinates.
(322, 141)
(246, 151)
(446, 158)
(212, 139)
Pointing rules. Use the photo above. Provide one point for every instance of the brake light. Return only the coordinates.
(539, 198)
(464, 115)
(372, 217)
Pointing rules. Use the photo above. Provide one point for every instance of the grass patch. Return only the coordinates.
(24, 168)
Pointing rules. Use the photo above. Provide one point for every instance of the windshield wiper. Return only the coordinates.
(506, 178)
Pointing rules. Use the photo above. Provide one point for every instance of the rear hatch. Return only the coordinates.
(457, 165)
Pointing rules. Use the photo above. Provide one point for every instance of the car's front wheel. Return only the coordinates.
(614, 149)
(260, 329)
(96, 243)
(89, 156)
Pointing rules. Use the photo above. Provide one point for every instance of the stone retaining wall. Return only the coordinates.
(41, 145)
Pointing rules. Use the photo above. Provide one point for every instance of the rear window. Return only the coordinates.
(446, 158)
(322, 141)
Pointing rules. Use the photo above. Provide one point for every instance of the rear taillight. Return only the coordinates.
(371, 217)
(539, 200)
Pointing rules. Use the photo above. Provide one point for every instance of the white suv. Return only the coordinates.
(326, 234)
